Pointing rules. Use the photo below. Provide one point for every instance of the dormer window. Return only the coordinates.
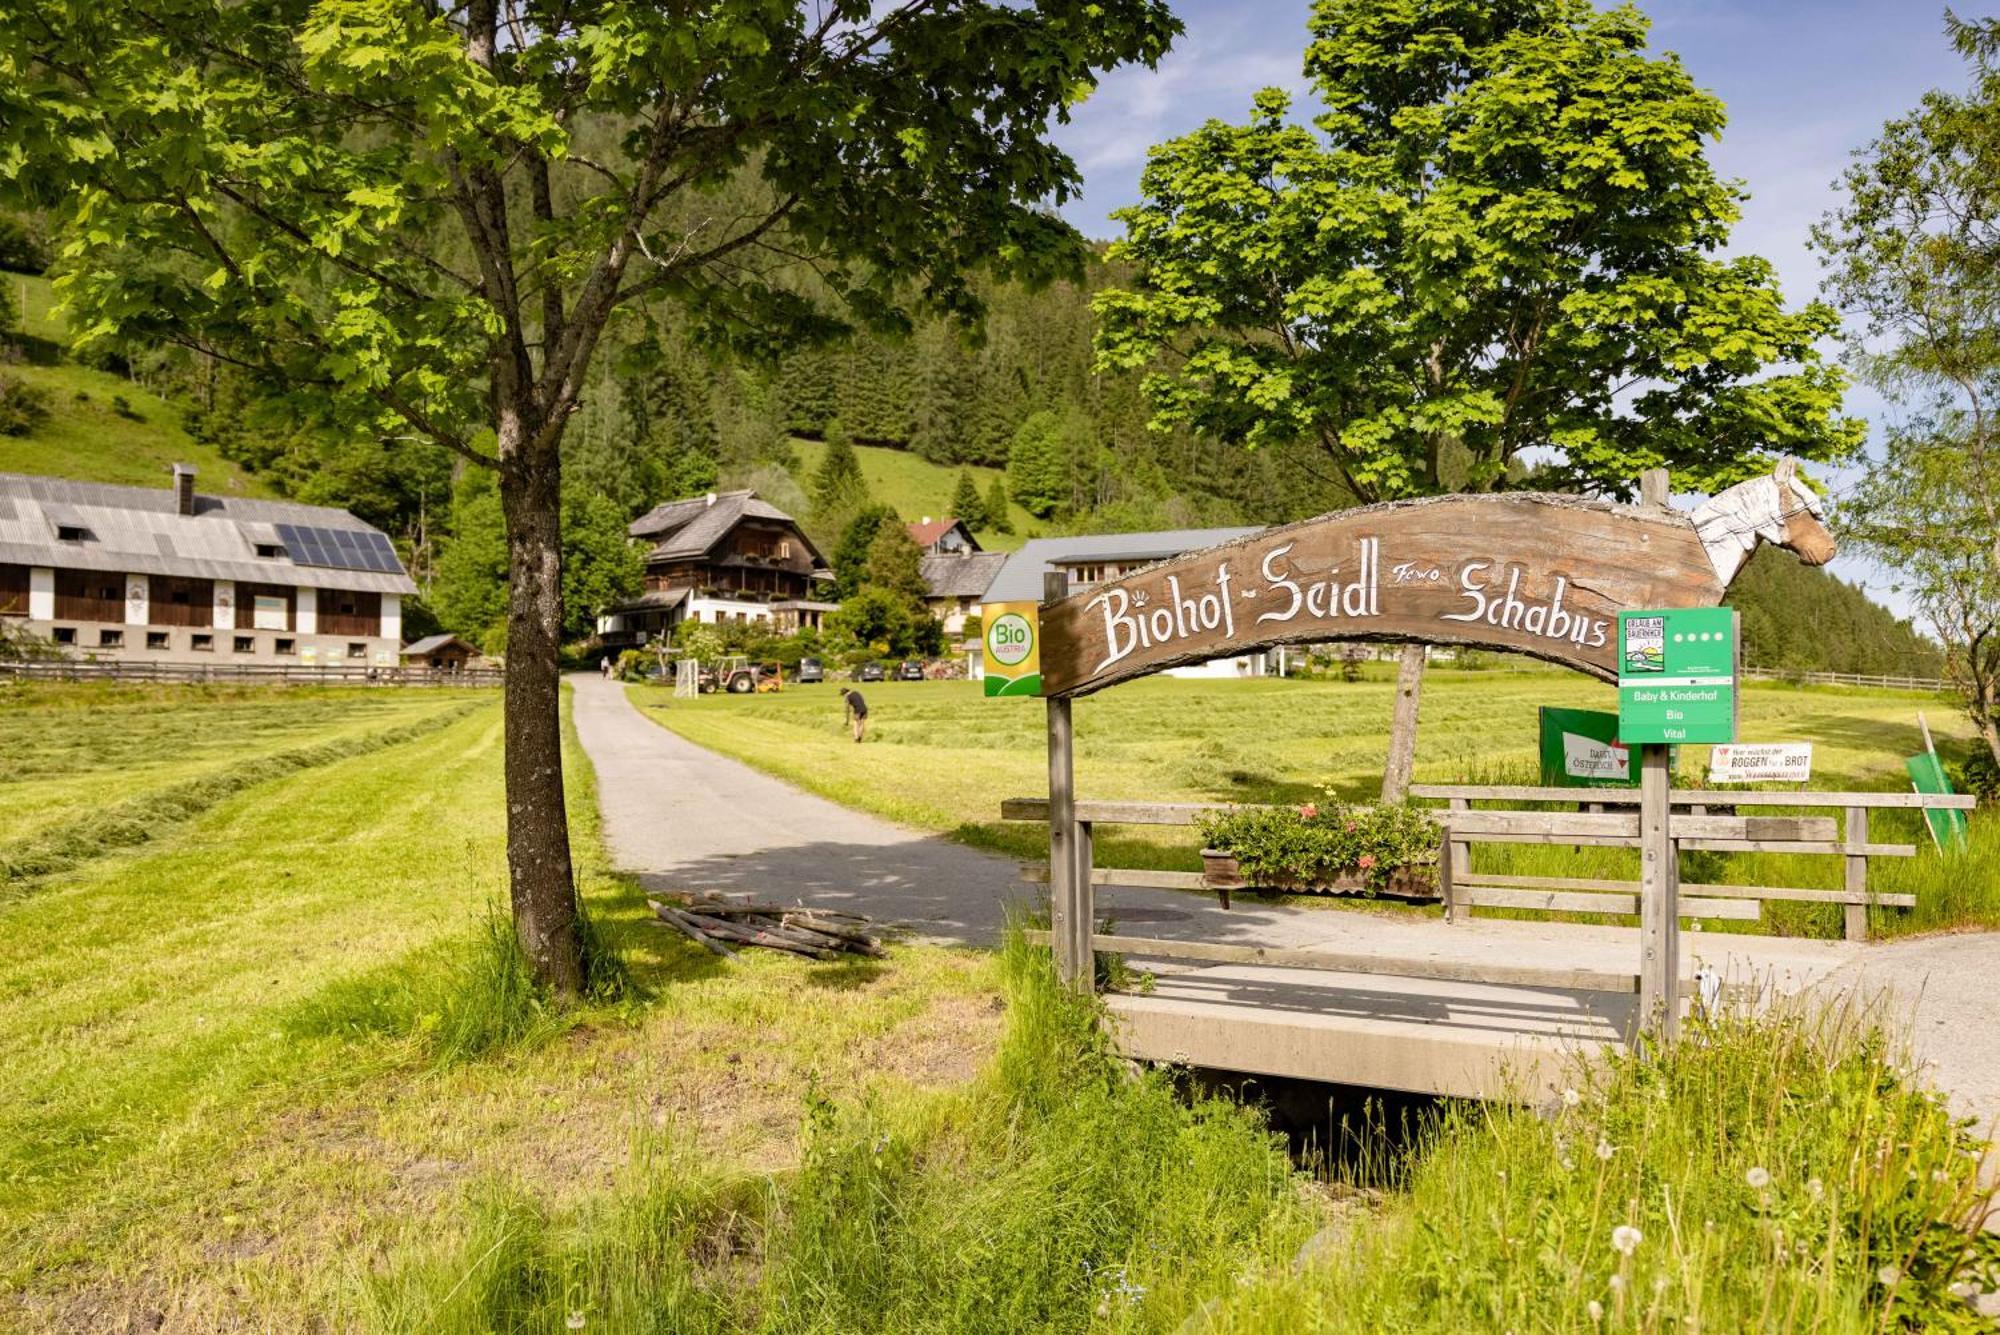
(271, 551)
(72, 533)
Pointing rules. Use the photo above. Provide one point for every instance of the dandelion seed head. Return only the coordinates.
(1605, 1150)
(1618, 1283)
(1571, 1098)
(1758, 1178)
(1888, 1275)
(1815, 1188)
(575, 1321)
(1625, 1239)
(1596, 1310)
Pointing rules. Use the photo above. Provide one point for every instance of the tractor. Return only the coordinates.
(737, 675)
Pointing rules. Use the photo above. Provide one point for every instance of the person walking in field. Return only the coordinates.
(857, 710)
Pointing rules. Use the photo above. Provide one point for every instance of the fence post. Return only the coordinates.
(1455, 864)
(1857, 872)
(1073, 971)
(1659, 898)
(1083, 900)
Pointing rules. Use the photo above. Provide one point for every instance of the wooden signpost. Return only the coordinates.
(1541, 575)
(1532, 574)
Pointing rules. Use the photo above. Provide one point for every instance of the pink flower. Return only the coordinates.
(1308, 811)
(1366, 861)
(1350, 827)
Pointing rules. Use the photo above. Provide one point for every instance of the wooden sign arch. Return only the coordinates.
(1529, 573)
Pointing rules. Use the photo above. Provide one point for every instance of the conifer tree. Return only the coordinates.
(966, 504)
(997, 517)
(839, 491)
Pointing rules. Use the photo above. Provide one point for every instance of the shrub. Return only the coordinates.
(1979, 775)
(1318, 841)
(23, 406)
(22, 248)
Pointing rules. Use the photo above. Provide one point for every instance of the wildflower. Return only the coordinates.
(1888, 1275)
(1625, 1239)
(1605, 1151)
(1571, 1098)
(1365, 861)
(1758, 1179)
(1308, 811)
(1352, 827)
(1596, 1310)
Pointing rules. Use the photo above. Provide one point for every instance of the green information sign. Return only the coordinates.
(1677, 675)
(1580, 749)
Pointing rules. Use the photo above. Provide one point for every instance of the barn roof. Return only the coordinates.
(430, 644)
(1020, 580)
(964, 575)
(691, 528)
(926, 532)
(140, 530)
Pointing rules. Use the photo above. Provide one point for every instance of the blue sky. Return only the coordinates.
(1805, 84)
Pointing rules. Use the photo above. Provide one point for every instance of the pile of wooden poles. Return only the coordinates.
(820, 934)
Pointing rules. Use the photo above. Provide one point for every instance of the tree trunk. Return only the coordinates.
(542, 882)
(1403, 731)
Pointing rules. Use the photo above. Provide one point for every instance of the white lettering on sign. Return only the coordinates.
(1307, 597)
(1768, 762)
(1509, 611)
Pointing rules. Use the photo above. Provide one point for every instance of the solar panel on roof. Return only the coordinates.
(339, 548)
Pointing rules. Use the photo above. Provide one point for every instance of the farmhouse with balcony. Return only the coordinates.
(956, 571)
(170, 575)
(726, 556)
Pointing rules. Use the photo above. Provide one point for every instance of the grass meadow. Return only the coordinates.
(941, 757)
(913, 487)
(278, 1068)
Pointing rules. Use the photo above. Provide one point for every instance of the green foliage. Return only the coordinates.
(895, 564)
(469, 594)
(1911, 252)
(1502, 219)
(839, 492)
(850, 555)
(1796, 617)
(1314, 843)
(1038, 464)
(600, 564)
(23, 407)
(879, 623)
(966, 503)
(24, 246)
(995, 507)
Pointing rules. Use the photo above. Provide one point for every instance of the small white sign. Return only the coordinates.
(1760, 762)
(1588, 758)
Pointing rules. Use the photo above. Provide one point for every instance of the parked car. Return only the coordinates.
(810, 669)
(910, 670)
(868, 672)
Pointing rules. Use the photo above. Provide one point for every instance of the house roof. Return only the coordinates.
(1020, 580)
(691, 527)
(651, 598)
(928, 531)
(430, 644)
(141, 531)
(961, 575)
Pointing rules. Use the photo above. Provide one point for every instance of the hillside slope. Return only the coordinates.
(914, 487)
(102, 427)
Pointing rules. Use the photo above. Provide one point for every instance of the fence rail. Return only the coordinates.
(1880, 682)
(64, 669)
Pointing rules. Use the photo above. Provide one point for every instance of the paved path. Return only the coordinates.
(684, 818)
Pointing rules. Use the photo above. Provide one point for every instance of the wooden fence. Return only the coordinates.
(69, 669)
(1692, 826)
(1879, 682)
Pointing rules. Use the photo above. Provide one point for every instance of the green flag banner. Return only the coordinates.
(1927, 776)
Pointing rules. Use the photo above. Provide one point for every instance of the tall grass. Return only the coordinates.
(1060, 1193)
(1771, 1174)
(1778, 1174)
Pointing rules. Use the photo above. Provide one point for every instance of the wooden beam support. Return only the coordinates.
(1856, 864)
(1659, 893)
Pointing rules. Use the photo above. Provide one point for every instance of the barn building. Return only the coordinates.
(726, 556)
(171, 575)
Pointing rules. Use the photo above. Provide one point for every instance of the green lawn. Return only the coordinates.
(915, 487)
(35, 295)
(222, 1103)
(941, 757)
(267, 1073)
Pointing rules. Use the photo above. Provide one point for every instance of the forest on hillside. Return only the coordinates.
(664, 418)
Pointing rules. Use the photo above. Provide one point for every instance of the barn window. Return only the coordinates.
(202, 643)
(110, 639)
(246, 644)
(283, 646)
(357, 651)
(65, 634)
(156, 639)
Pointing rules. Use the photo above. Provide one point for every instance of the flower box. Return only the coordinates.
(1222, 873)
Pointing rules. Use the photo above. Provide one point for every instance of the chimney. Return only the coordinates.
(184, 488)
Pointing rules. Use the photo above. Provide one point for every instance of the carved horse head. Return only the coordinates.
(1777, 509)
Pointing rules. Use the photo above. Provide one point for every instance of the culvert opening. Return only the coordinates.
(1349, 1134)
